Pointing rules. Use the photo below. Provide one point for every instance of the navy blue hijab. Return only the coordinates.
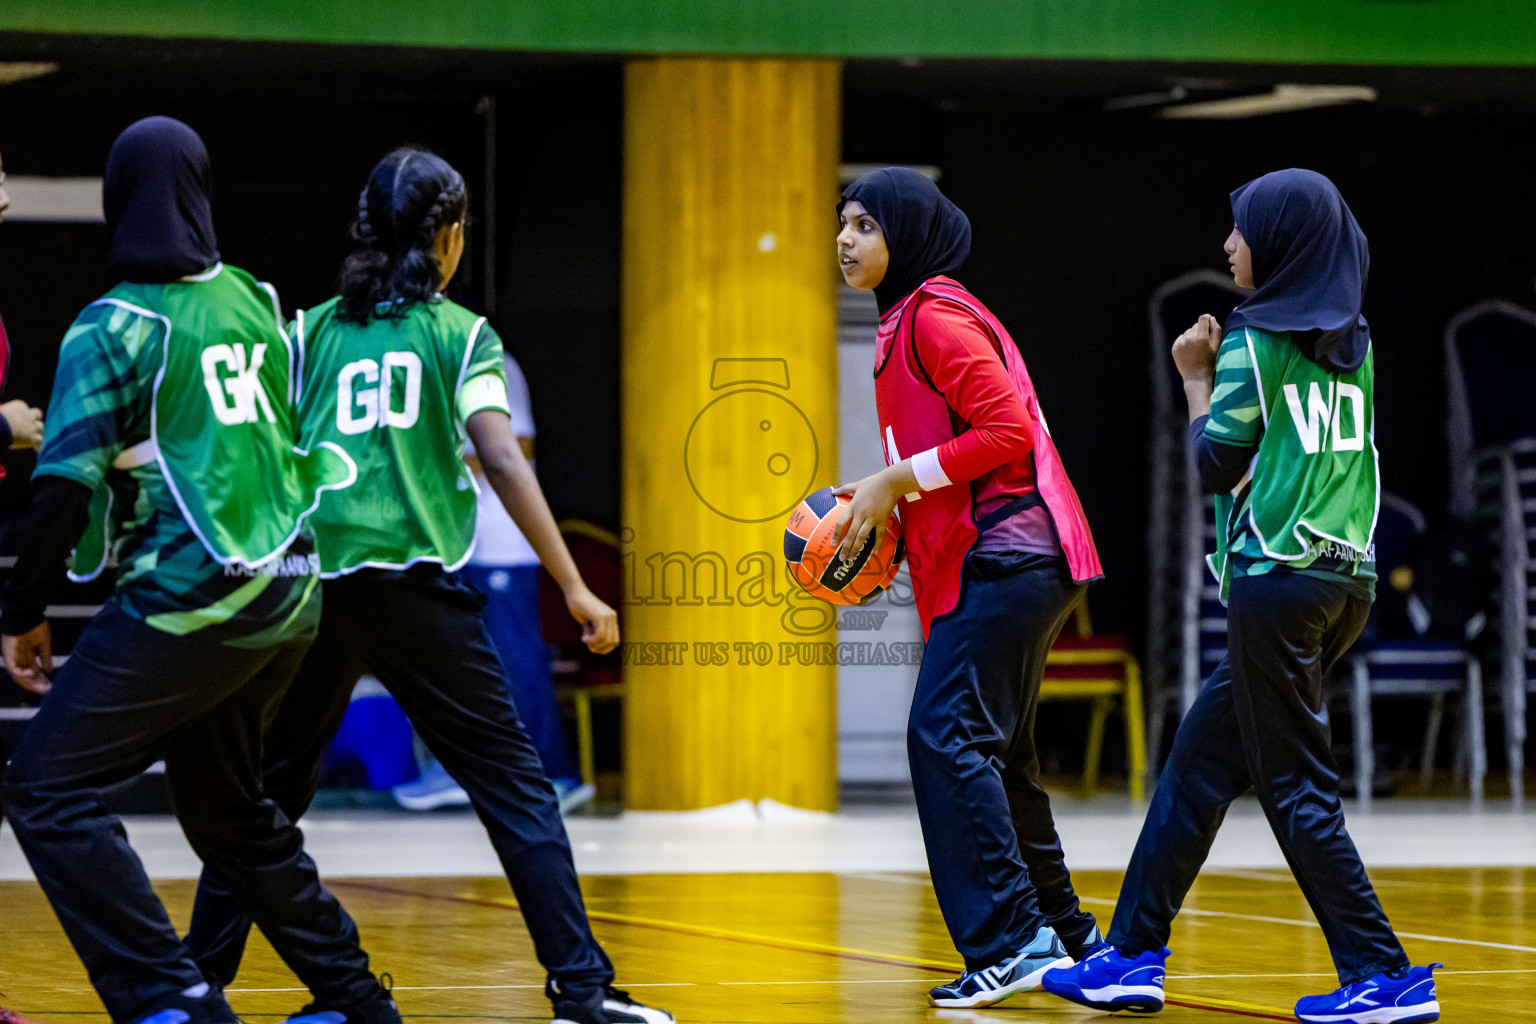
(155, 196)
(1310, 261)
(926, 234)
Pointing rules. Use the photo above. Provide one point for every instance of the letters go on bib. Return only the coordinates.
(364, 394)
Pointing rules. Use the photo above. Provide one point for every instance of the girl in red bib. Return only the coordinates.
(1000, 553)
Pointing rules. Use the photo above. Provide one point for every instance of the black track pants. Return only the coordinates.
(128, 693)
(421, 634)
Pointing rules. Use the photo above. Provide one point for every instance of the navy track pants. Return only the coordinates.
(996, 860)
(1261, 722)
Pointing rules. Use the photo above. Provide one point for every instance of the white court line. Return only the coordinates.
(875, 876)
(1259, 875)
(866, 981)
(1314, 924)
(842, 981)
(906, 880)
(653, 984)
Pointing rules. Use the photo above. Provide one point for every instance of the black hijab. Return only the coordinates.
(926, 234)
(1310, 261)
(155, 196)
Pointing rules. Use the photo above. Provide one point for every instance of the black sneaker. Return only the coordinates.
(376, 1009)
(609, 1006)
(179, 1008)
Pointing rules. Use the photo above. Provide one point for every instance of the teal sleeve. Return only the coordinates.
(1236, 415)
(99, 404)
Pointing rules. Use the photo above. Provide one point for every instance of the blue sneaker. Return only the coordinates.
(1379, 999)
(1019, 973)
(1105, 980)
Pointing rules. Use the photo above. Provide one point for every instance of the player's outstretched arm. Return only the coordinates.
(513, 480)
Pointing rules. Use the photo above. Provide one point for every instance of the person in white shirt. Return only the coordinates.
(505, 569)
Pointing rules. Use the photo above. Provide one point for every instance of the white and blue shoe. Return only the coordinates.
(573, 794)
(1019, 973)
(1379, 999)
(378, 1008)
(1105, 980)
(435, 789)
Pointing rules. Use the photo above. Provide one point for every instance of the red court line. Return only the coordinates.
(1229, 1009)
(676, 930)
(389, 890)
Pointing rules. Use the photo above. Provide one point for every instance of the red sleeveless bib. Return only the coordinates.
(939, 526)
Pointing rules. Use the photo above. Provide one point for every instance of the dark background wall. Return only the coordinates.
(292, 133)
(1079, 214)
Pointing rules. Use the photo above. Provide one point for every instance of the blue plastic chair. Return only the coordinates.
(374, 742)
(1386, 663)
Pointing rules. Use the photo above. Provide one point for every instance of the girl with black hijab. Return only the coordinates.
(172, 406)
(1000, 554)
(1282, 423)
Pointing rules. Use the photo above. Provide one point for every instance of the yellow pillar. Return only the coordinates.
(730, 399)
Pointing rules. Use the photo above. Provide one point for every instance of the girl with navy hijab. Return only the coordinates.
(172, 396)
(1000, 554)
(1281, 407)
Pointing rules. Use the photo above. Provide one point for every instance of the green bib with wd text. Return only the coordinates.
(1309, 500)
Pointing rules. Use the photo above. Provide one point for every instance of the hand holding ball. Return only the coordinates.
(813, 559)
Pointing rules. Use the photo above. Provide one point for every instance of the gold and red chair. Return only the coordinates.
(1103, 671)
(580, 676)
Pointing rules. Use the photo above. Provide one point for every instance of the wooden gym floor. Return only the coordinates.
(829, 949)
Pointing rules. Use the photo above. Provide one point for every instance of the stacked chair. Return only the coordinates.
(1102, 671)
(1186, 625)
(1491, 366)
(76, 603)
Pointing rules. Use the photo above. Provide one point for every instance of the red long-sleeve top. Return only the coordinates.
(962, 361)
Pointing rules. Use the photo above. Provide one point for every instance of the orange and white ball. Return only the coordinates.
(812, 554)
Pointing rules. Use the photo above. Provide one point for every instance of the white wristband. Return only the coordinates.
(926, 468)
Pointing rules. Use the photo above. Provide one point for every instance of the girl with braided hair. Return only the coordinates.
(398, 376)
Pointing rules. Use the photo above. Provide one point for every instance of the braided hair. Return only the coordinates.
(410, 195)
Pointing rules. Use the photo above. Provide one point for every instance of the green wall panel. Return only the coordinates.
(1459, 32)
